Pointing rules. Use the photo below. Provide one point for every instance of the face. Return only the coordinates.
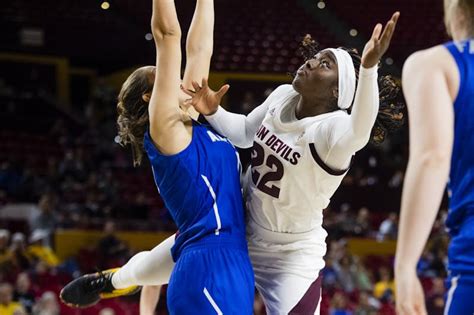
(318, 76)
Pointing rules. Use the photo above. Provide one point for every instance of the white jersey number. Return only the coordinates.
(261, 180)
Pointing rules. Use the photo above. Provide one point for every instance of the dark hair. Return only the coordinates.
(390, 116)
(132, 111)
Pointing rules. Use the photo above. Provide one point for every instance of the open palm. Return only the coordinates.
(378, 44)
(203, 98)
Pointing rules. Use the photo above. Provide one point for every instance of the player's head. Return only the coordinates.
(317, 78)
(348, 62)
(459, 18)
(132, 109)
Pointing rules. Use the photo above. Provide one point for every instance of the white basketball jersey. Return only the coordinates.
(289, 186)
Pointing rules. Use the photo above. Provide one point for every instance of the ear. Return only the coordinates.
(146, 97)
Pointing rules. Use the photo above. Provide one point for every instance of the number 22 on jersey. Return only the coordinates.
(262, 179)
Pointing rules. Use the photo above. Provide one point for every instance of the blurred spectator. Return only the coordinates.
(329, 273)
(362, 275)
(111, 249)
(362, 223)
(4, 252)
(47, 305)
(7, 306)
(346, 274)
(368, 305)
(388, 228)
(18, 252)
(40, 252)
(23, 293)
(339, 305)
(45, 220)
(385, 286)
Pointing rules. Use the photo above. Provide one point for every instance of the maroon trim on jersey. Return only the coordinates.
(310, 300)
(320, 162)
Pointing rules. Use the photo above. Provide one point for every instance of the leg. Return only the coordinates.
(212, 281)
(288, 293)
(149, 299)
(147, 268)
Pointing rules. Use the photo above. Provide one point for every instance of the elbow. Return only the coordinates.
(199, 50)
(162, 30)
(435, 158)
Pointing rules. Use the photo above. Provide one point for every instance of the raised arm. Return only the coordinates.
(167, 128)
(349, 135)
(199, 46)
(430, 108)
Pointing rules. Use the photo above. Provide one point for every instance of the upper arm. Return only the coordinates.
(166, 125)
(426, 76)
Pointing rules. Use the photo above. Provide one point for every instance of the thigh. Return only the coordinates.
(288, 293)
(459, 298)
(212, 282)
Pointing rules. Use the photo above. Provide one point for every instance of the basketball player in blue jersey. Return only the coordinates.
(439, 89)
(198, 175)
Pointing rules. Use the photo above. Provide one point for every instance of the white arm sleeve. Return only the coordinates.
(348, 134)
(241, 129)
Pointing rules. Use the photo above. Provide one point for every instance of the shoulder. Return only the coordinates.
(437, 58)
(425, 66)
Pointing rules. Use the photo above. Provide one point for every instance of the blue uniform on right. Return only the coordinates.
(201, 189)
(460, 221)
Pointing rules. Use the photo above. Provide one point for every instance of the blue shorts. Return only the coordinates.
(460, 294)
(212, 280)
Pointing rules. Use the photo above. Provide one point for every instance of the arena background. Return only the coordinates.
(70, 200)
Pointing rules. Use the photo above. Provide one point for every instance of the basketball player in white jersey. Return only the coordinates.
(439, 89)
(303, 140)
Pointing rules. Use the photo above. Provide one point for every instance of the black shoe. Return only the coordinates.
(90, 289)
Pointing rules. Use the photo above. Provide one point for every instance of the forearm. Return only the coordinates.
(425, 182)
(164, 20)
(149, 297)
(199, 46)
(365, 109)
(200, 41)
(239, 129)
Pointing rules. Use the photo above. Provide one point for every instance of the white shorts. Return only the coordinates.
(287, 268)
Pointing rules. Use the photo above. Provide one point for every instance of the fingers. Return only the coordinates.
(223, 90)
(196, 86)
(187, 92)
(390, 28)
(204, 83)
(376, 32)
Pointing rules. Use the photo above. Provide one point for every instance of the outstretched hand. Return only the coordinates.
(205, 100)
(378, 44)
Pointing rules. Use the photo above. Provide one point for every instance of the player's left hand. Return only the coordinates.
(203, 98)
(410, 299)
(378, 44)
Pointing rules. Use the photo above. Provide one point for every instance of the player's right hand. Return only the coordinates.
(205, 100)
(410, 299)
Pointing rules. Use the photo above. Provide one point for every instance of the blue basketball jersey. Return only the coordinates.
(461, 179)
(200, 186)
